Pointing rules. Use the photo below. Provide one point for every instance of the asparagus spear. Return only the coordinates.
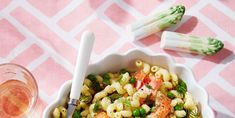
(156, 22)
(191, 44)
(156, 26)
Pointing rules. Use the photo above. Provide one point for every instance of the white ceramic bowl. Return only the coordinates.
(115, 62)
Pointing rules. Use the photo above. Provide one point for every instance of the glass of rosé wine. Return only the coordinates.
(18, 91)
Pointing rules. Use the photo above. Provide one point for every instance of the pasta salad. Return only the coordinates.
(148, 92)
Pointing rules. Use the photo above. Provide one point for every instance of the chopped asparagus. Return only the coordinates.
(97, 107)
(114, 96)
(191, 44)
(85, 99)
(95, 84)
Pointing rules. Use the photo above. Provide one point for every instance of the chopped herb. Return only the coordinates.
(148, 86)
(120, 78)
(125, 102)
(97, 107)
(95, 84)
(114, 96)
(85, 99)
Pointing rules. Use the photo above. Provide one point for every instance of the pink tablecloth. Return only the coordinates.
(43, 35)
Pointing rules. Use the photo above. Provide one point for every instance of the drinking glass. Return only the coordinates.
(18, 91)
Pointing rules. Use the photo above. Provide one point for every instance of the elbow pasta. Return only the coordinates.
(125, 79)
(138, 63)
(105, 102)
(167, 85)
(150, 90)
(99, 78)
(180, 113)
(99, 95)
(60, 112)
(189, 103)
(174, 79)
(109, 89)
(118, 88)
(135, 103)
(111, 110)
(85, 90)
(91, 110)
(126, 113)
(146, 107)
(56, 113)
(146, 68)
(176, 94)
(154, 69)
(85, 112)
(119, 106)
(176, 101)
(129, 89)
(163, 73)
(87, 82)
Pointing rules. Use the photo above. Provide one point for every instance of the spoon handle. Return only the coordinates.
(82, 61)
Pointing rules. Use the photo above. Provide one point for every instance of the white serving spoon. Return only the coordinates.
(83, 58)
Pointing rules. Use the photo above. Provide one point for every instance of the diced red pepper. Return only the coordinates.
(146, 80)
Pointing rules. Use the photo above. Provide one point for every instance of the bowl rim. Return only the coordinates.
(171, 60)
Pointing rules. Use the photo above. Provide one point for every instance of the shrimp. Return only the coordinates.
(101, 115)
(140, 75)
(163, 108)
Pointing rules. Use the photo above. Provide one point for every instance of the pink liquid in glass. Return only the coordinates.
(18, 91)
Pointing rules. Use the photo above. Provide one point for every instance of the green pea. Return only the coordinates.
(136, 113)
(132, 80)
(181, 89)
(91, 77)
(182, 83)
(123, 71)
(76, 114)
(106, 76)
(106, 79)
(142, 112)
(179, 107)
(170, 95)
